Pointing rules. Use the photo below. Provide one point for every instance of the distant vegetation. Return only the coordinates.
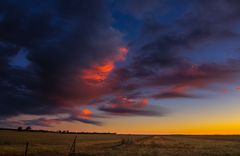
(47, 131)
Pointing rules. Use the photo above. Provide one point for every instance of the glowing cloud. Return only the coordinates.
(100, 71)
(86, 113)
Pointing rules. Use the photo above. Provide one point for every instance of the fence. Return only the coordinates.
(72, 150)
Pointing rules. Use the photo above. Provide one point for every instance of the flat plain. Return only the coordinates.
(13, 143)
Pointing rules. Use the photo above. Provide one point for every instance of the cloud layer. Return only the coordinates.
(78, 59)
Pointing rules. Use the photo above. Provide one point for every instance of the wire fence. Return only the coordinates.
(72, 150)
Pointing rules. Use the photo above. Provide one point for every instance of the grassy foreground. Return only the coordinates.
(12, 143)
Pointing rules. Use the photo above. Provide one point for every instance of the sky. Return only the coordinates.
(124, 66)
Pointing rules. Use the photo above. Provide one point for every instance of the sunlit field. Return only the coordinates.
(13, 143)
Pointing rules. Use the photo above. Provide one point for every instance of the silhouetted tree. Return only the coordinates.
(19, 128)
(28, 128)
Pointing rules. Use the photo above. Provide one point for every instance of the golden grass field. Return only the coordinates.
(12, 143)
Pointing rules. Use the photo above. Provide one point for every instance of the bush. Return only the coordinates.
(28, 128)
(19, 128)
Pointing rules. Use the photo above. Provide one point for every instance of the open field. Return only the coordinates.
(12, 143)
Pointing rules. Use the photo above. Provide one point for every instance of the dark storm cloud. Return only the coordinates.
(60, 38)
(173, 95)
(46, 122)
(160, 51)
(198, 22)
(64, 38)
(132, 112)
(84, 120)
(163, 46)
(140, 8)
(199, 76)
(130, 106)
(39, 122)
(181, 80)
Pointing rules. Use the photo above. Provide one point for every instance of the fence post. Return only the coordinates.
(26, 149)
(73, 147)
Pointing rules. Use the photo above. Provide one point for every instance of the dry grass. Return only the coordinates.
(53, 144)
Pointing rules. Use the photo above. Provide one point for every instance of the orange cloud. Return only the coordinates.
(100, 71)
(85, 113)
(238, 88)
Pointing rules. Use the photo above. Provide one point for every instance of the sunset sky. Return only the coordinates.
(125, 66)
